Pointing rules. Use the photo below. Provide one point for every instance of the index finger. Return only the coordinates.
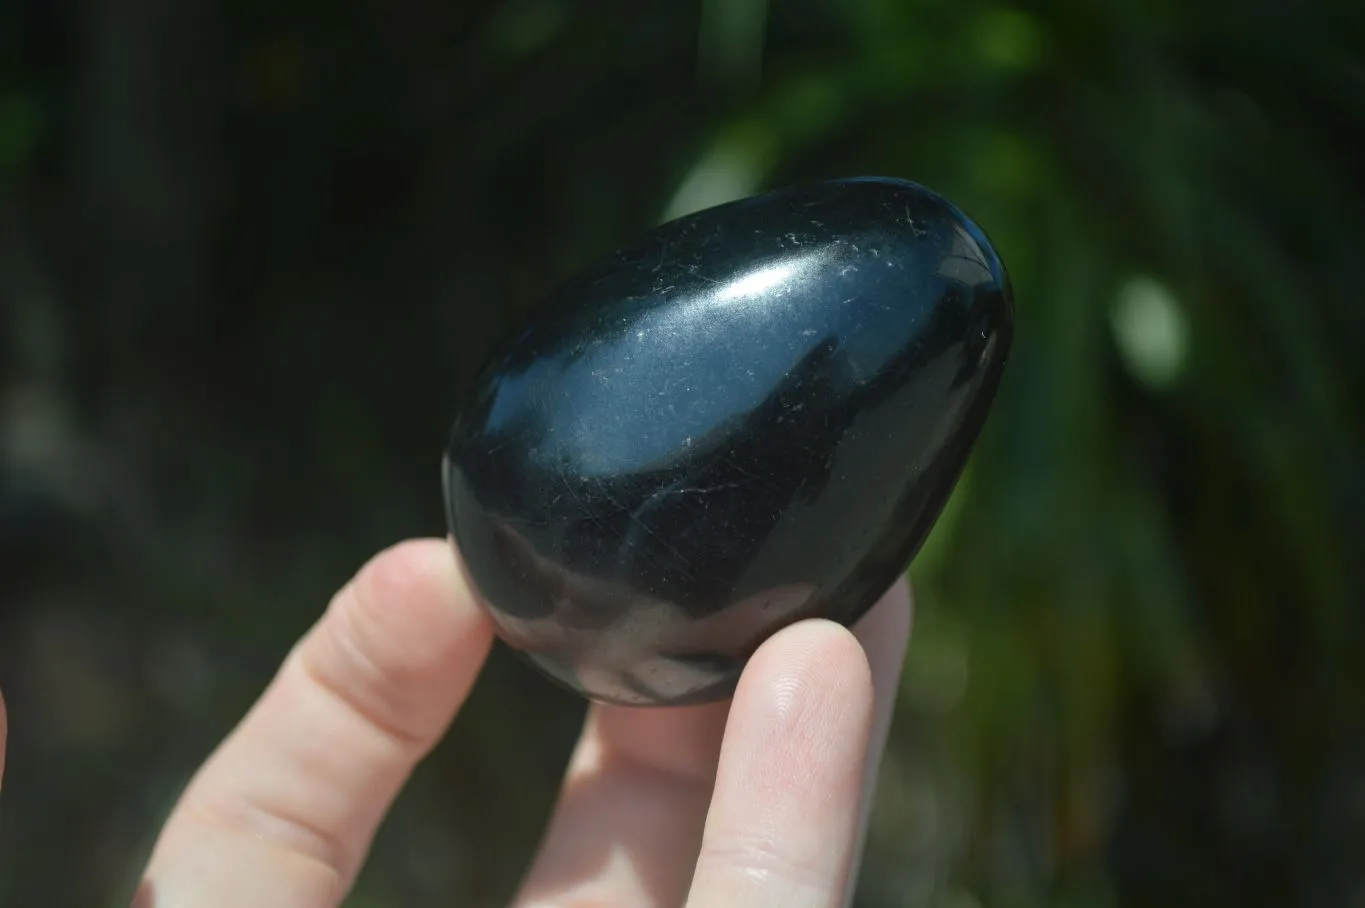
(284, 812)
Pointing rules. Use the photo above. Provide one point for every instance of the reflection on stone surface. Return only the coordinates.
(751, 416)
(605, 636)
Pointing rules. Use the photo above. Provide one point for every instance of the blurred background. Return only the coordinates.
(250, 252)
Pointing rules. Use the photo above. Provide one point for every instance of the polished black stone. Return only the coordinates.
(751, 416)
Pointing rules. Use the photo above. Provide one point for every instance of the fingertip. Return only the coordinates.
(830, 645)
(809, 663)
(807, 694)
(415, 570)
(414, 594)
(399, 636)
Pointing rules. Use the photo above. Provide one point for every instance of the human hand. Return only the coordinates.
(759, 801)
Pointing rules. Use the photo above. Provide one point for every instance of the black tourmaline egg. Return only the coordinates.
(751, 416)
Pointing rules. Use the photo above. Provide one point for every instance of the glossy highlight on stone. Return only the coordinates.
(751, 416)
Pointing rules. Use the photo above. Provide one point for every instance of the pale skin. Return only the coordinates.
(757, 802)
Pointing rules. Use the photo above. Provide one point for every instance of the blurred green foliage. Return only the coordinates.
(249, 252)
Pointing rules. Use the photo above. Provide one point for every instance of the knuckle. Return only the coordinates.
(344, 665)
(281, 830)
(764, 862)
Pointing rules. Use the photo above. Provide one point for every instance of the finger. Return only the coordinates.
(628, 825)
(283, 813)
(885, 636)
(784, 818)
(629, 817)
